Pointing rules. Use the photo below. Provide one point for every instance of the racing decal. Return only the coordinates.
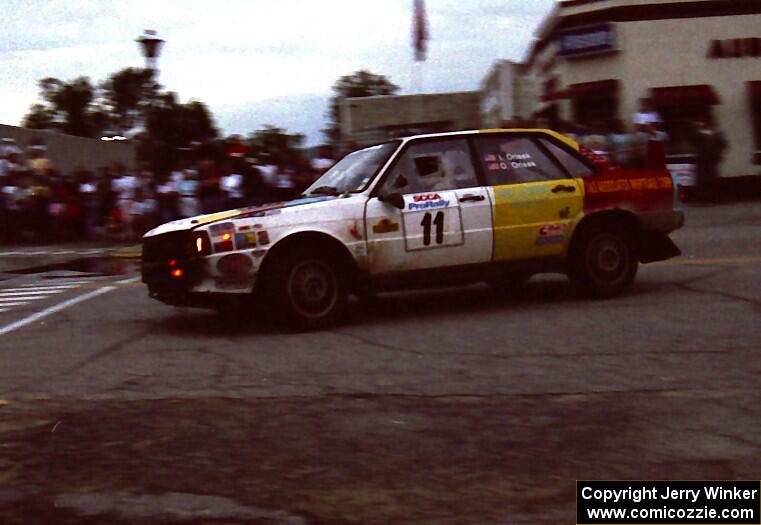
(564, 213)
(235, 265)
(263, 237)
(427, 201)
(354, 231)
(635, 191)
(245, 240)
(433, 229)
(551, 234)
(629, 184)
(385, 226)
(507, 161)
(214, 217)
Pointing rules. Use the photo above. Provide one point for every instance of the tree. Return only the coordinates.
(66, 108)
(274, 145)
(128, 102)
(171, 125)
(358, 84)
(126, 94)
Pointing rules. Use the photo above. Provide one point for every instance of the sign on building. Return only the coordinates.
(587, 40)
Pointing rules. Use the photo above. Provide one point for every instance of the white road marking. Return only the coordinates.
(129, 280)
(36, 292)
(32, 286)
(55, 288)
(4, 309)
(15, 302)
(53, 309)
(90, 251)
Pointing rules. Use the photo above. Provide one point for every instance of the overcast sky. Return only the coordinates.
(257, 62)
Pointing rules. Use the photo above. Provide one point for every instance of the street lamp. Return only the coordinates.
(150, 45)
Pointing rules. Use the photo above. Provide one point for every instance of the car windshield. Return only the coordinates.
(353, 172)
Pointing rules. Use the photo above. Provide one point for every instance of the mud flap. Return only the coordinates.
(656, 246)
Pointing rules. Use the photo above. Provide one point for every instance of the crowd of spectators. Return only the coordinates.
(40, 203)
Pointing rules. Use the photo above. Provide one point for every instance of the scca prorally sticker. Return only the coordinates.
(427, 201)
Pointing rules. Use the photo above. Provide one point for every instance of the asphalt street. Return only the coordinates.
(444, 406)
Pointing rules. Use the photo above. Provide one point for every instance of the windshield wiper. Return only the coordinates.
(324, 190)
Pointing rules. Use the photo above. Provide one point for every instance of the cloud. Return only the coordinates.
(246, 58)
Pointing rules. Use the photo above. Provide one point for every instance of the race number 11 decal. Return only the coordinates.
(438, 222)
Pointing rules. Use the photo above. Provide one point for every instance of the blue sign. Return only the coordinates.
(587, 40)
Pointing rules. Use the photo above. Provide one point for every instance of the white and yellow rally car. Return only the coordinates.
(449, 208)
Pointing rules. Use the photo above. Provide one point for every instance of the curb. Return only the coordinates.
(127, 252)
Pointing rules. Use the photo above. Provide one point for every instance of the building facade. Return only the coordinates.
(369, 120)
(69, 153)
(696, 60)
(506, 95)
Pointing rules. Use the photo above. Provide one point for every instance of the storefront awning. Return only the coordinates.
(754, 88)
(585, 90)
(592, 89)
(699, 95)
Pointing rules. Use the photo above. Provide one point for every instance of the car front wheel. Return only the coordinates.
(308, 291)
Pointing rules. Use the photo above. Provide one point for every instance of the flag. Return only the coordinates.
(419, 30)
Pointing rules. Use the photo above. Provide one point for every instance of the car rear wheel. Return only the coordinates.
(308, 291)
(603, 262)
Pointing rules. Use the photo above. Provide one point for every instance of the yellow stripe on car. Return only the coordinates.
(554, 134)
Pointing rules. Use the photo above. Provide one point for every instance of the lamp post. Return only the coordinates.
(150, 45)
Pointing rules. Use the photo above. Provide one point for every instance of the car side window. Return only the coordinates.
(514, 160)
(432, 166)
(575, 166)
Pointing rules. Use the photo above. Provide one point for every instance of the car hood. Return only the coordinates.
(252, 211)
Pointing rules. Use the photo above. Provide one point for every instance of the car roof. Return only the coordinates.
(541, 131)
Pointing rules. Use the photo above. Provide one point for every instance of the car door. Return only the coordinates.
(446, 215)
(536, 201)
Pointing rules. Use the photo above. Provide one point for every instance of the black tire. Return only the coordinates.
(603, 261)
(307, 291)
(510, 283)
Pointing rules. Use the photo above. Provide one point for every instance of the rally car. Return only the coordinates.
(496, 206)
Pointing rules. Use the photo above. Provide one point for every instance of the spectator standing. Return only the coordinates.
(646, 116)
(656, 148)
(187, 190)
(140, 215)
(167, 197)
(709, 144)
(620, 144)
(37, 160)
(323, 161)
(210, 190)
(232, 186)
(268, 174)
(89, 197)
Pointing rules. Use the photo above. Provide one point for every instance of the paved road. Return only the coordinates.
(469, 408)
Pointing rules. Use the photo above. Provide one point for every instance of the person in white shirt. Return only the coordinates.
(646, 117)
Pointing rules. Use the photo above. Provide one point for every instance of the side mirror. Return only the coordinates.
(394, 199)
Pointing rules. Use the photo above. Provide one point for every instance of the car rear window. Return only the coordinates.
(575, 166)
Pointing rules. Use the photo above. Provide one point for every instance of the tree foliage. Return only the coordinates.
(274, 145)
(359, 84)
(129, 102)
(67, 107)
